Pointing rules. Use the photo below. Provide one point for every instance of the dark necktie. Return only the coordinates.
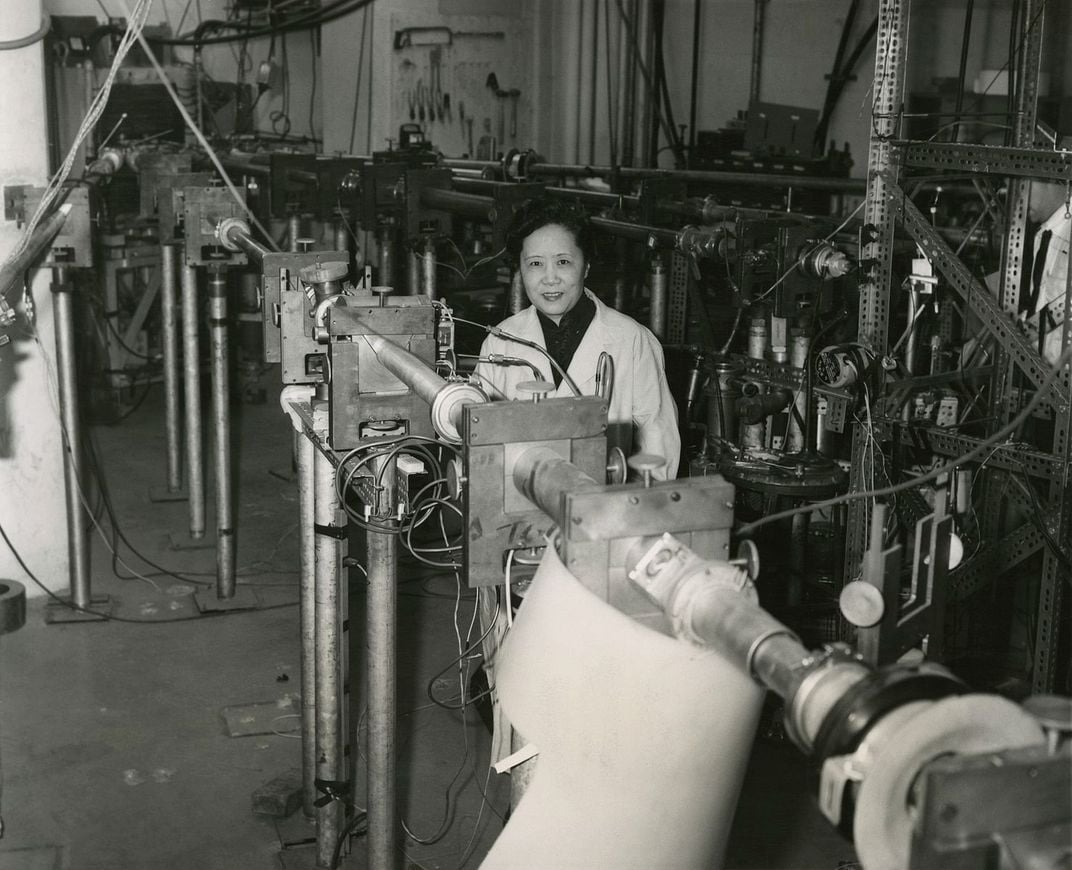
(1037, 268)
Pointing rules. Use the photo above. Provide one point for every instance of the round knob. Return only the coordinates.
(536, 390)
(305, 245)
(862, 604)
(382, 291)
(644, 464)
(321, 273)
(747, 558)
(1054, 714)
(616, 466)
(456, 478)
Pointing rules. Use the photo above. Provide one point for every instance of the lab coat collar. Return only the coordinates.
(1056, 223)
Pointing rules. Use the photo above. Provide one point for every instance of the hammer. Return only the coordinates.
(492, 84)
(513, 94)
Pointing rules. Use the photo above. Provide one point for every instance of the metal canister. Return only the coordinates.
(722, 392)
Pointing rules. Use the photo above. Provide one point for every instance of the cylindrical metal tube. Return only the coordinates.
(239, 236)
(293, 232)
(329, 655)
(753, 435)
(169, 333)
(307, 604)
(428, 268)
(195, 466)
(465, 204)
(846, 185)
(411, 370)
(413, 273)
(912, 339)
(799, 346)
(382, 628)
(77, 539)
(386, 243)
(517, 293)
(659, 293)
(221, 418)
(342, 236)
(544, 478)
(722, 392)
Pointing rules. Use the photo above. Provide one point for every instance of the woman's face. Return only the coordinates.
(552, 270)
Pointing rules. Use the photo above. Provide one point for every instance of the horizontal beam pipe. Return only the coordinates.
(465, 204)
(248, 245)
(756, 179)
(409, 369)
(544, 478)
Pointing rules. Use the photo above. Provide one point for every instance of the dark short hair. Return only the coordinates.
(542, 211)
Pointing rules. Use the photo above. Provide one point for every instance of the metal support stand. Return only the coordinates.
(227, 595)
(414, 268)
(382, 638)
(195, 463)
(293, 232)
(81, 598)
(174, 490)
(307, 600)
(329, 614)
(659, 292)
(517, 293)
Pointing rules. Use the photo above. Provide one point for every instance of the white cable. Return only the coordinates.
(202, 141)
(509, 601)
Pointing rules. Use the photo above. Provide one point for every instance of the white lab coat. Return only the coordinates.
(642, 411)
(1054, 276)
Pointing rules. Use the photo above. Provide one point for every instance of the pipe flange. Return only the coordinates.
(12, 606)
(446, 408)
(223, 231)
(321, 273)
(884, 818)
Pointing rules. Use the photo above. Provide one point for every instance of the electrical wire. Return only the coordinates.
(500, 333)
(981, 448)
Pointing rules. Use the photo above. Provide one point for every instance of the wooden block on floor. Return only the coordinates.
(279, 797)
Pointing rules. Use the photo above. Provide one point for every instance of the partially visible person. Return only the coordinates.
(550, 242)
(1048, 206)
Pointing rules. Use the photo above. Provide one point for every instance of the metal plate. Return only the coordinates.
(400, 315)
(962, 157)
(203, 209)
(688, 505)
(549, 420)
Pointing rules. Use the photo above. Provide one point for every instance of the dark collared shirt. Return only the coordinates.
(563, 339)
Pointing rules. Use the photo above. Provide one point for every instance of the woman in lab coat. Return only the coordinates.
(550, 242)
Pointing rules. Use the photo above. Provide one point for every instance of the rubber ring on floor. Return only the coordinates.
(12, 605)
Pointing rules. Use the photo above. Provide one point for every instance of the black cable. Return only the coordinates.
(347, 831)
(324, 15)
(107, 617)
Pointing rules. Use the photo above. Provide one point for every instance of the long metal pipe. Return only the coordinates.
(386, 244)
(329, 654)
(293, 232)
(169, 331)
(573, 170)
(77, 537)
(413, 272)
(237, 233)
(660, 288)
(799, 347)
(195, 466)
(409, 369)
(757, 51)
(465, 204)
(307, 603)
(382, 629)
(221, 414)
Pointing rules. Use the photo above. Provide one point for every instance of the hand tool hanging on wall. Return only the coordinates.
(492, 84)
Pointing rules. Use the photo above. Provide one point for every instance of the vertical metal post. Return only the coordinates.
(753, 434)
(799, 346)
(77, 539)
(195, 466)
(517, 293)
(170, 338)
(428, 270)
(659, 290)
(293, 232)
(221, 414)
(382, 641)
(873, 320)
(757, 51)
(328, 647)
(386, 244)
(307, 602)
(413, 272)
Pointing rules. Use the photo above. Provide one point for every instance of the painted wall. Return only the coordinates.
(31, 461)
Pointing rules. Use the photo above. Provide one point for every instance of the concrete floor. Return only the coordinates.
(114, 753)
